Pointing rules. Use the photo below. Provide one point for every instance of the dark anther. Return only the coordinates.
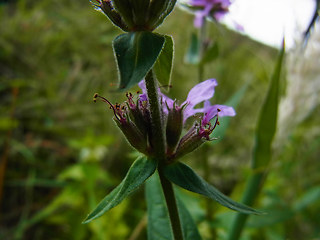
(95, 97)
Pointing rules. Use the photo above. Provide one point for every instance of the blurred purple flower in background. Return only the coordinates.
(215, 9)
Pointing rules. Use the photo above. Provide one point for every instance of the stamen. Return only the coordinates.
(96, 95)
(216, 122)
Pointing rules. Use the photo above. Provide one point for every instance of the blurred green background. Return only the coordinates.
(61, 153)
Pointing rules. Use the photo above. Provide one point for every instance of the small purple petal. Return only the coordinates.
(167, 101)
(207, 8)
(219, 15)
(143, 97)
(198, 20)
(212, 111)
(225, 3)
(198, 3)
(201, 92)
(225, 111)
(188, 112)
(142, 85)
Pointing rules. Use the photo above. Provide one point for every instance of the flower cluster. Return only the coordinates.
(135, 15)
(215, 9)
(134, 119)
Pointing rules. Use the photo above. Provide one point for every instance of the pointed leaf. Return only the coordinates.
(158, 216)
(163, 66)
(192, 55)
(262, 151)
(136, 53)
(185, 177)
(267, 123)
(140, 170)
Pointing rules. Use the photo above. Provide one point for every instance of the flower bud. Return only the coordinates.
(159, 10)
(124, 8)
(139, 119)
(107, 8)
(174, 127)
(140, 8)
(189, 142)
(133, 135)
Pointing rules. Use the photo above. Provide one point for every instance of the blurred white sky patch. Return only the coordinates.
(268, 21)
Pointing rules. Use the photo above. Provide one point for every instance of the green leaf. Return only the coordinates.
(140, 170)
(158, 217)
(210, 54)
(163, 66)
(266, 129)
(192, 56)
(185, 177)
(136, 53)
(267, 122)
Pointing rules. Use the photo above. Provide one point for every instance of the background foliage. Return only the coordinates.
(61, 153)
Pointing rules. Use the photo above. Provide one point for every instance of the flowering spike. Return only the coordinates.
(135, 15)
(134, 119)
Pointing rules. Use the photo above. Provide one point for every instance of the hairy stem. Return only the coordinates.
(158, 139)
(172, 206)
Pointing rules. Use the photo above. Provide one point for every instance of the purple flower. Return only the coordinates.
(201, 92)
(209, 8)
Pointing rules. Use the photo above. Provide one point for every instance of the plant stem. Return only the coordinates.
(172, 205)
(158, 141)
